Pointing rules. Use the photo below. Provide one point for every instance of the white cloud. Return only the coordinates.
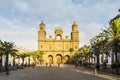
(20, 19)
(87, 31)
(21, 35)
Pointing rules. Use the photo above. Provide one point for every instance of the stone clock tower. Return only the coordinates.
(75, 32)
(41, 32)
(75, 36)
(57, 49)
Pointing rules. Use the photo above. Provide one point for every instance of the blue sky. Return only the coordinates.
(19, 19)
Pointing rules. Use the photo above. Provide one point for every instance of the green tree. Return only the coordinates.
(7, 48)
(113, 34)
(100, 45)
(71, 51)
(29, 54)
(23, 56)
(85, 53)
(39, 55)
(14, 55)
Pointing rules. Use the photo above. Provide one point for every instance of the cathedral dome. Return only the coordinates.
(42, 23)
(74, 24)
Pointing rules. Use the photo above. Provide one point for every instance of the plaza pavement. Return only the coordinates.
(64, 72)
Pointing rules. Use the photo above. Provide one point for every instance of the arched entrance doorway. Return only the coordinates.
(66, 59)
(50, 57)
(58, 58)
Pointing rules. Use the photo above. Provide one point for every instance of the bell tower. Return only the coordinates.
(41, 32)
(75, 32)
(75, 37)
(58, 33)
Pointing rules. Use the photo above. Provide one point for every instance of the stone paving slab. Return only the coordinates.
(64, 72)
(92, 72)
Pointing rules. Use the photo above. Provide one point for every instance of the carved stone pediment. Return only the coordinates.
(58, 32)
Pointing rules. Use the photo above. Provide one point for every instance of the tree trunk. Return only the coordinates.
(6, 64)
(22, 61)
(13, 61)
(89, 63)
(116, 60)
(0, 62)
(35, 61)
(29, 61)
(98, 62)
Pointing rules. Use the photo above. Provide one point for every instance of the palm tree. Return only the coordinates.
(23, 56)
(39, 56)
(14, 55)
(29, 55)
(96, 49)
(100, 45)
(7, 48)
(85, 53)
(113, 34)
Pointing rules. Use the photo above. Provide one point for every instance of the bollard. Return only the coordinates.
(95, 71)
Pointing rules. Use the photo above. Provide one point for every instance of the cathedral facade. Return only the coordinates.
(57, 49)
